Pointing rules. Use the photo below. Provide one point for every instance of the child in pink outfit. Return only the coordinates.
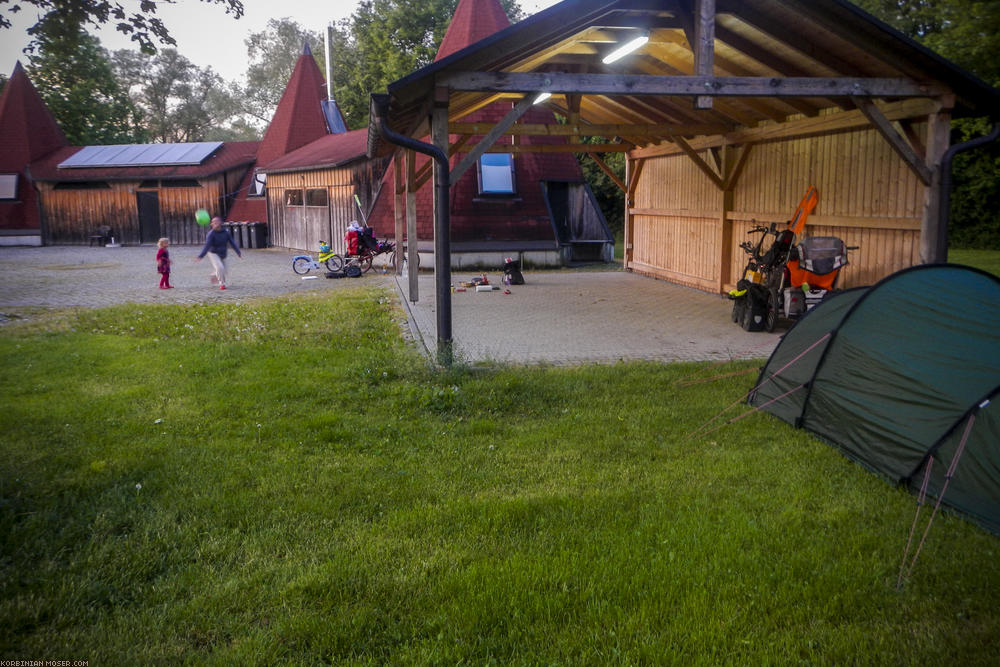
(163, 263)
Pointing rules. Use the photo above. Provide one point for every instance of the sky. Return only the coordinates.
(205, 34)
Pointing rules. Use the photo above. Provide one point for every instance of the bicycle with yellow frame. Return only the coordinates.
(303, 264)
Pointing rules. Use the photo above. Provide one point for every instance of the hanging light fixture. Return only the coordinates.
(627, 48)
(542, 96)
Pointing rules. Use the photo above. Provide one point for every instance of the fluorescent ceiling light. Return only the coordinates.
(626, 48)
(542, 97)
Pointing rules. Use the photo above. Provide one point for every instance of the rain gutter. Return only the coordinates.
(442, 222)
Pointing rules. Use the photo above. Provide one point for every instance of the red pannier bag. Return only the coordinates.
(351, 238)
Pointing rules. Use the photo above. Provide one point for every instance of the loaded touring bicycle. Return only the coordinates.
(787, 278)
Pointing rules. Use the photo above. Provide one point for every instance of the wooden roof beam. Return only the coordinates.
(844, 121)
(585, 130)
(716, 86)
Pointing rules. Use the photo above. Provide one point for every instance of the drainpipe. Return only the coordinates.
(442, 222)
(944, 212)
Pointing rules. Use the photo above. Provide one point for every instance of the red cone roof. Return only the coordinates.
(28, 130)
(299, 116)
(473, 20)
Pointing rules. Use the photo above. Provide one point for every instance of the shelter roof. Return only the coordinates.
(761, 62)
(331, 150)
(230, 155)
(28, 130)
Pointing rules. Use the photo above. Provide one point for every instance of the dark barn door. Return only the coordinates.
(149, 216)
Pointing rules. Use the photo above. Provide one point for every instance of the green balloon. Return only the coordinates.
(202, 217)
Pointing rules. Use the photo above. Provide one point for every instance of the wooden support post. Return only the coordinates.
(399, 205)
(633, 170)
(411, 225)
(704, 45)
(933, 237)
(573, 106)
(729, 157)
(442, 225)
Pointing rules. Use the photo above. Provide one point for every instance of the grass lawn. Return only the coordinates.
(987, 260)
(287, 482)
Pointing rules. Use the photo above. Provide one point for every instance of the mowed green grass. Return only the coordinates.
(987, 260)
(287, 482)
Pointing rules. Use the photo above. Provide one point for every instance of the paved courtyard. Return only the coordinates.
(571, 317)
(558, 317)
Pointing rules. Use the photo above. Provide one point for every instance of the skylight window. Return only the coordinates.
(496, 174)
(8, 186)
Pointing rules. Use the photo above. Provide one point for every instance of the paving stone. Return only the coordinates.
(558, 317)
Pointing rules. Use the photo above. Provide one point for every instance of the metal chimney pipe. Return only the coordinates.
(329, 89)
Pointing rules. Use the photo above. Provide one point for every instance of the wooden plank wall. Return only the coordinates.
(867, 197)
(297, 229)
(70, 216)
(676, 231)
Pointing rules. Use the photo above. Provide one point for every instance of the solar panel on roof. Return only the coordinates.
(141, 155)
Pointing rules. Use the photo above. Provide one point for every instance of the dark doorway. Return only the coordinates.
(149, 216)
(558, 200)
(578, 223)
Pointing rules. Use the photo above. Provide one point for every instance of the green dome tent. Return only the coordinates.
(903, 377)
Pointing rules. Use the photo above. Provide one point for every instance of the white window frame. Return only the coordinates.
(258, 184)
(497, 180)
(8, 187)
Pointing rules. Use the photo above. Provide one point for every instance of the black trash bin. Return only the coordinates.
(240, 234)
(233, 229)
(257, 233)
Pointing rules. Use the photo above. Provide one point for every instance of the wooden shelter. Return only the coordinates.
(727, 112)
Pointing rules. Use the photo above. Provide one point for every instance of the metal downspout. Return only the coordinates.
(944, 212)
(442, 223)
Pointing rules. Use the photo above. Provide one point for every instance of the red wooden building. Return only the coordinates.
(510, 202)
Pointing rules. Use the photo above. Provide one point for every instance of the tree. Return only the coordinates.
(74, 78)
(180, 101)
(140, 21)
(385, 40)
(964, 31)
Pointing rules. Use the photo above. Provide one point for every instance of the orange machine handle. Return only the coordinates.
(806, 206)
